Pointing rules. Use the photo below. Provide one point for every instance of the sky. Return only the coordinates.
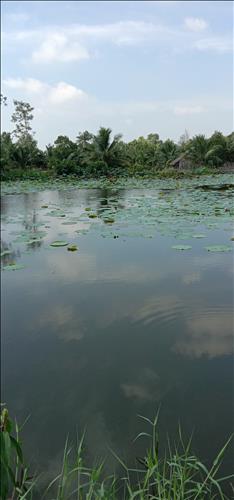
(138, 67)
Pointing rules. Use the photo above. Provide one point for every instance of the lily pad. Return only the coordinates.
(181, 247)
(199, 236)
(6, 252)
(59, 244)
(35, 240)
(109, 221)
(72, 248)
(92, 216)
(13, 267)
(218, 248)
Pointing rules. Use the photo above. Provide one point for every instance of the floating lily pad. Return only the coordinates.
(59, 244)
(35, 240)
(198, 236)
(44, 206)
(6, 252)
(72, 248)
(13, 267)
(181, 247)
(92, 216)
(109, 221)
(69, 223)
(218, 248)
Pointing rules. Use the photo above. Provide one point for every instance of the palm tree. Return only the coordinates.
(107, 152)
(167, 152)
(206, 151)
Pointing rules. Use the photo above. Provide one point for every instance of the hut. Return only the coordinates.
(181, 162)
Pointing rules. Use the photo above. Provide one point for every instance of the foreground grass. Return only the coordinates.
(175, 475)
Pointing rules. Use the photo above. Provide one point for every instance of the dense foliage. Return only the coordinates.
(99, 155)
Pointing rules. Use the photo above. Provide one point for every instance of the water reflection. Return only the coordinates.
(210, 335)
(112, 330)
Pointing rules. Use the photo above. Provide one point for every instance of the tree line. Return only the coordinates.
(95, 155)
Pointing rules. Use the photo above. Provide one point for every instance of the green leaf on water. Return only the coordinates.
(59, 244)
(6, 252)
(181, 247)
(199, 236)
(72, 248)
(92, 216)
(13, 267)
(109, 221)
(35, 240)
(218, 248)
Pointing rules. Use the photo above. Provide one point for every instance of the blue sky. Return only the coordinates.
(137, 67)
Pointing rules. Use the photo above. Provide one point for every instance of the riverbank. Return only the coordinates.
(71, 182)
(166, 173)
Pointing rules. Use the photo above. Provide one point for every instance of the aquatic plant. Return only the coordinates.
(162, 474)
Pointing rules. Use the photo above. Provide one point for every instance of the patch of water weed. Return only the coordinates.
(59, 243)
(72, 248)
(5, 252)
(198, 236)
(13, 267)
(218, 248)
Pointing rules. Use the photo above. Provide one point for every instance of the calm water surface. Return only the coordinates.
(95, 337)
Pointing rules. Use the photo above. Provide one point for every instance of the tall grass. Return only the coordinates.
(174, 474)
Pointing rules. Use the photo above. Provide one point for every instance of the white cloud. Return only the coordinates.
(132, 118)
(59, 93)
(188, 110)
(75, 42)
(195, 24)
(216, 44)
(209, 335)
(64, 92)
(27, 85)
(57, 48)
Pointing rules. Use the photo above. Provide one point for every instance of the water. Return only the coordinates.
(95, 337)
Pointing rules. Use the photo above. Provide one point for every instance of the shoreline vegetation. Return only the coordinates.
(94, 156)
(174, 473)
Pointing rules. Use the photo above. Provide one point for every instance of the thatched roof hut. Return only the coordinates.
(181, 162)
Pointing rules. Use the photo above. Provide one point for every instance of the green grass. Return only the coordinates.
(25, 174)
(175, 474)
(164, 173)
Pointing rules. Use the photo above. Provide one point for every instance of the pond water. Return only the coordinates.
(94, 337)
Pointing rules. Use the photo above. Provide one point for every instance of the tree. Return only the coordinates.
(153, 138)
(3, 100)
(84, 138)
(22, 118)
(64, 156)
(167, 153)
(106, 154)
(212, 151)
(7, 148)
(143, 153)
(230, 148)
